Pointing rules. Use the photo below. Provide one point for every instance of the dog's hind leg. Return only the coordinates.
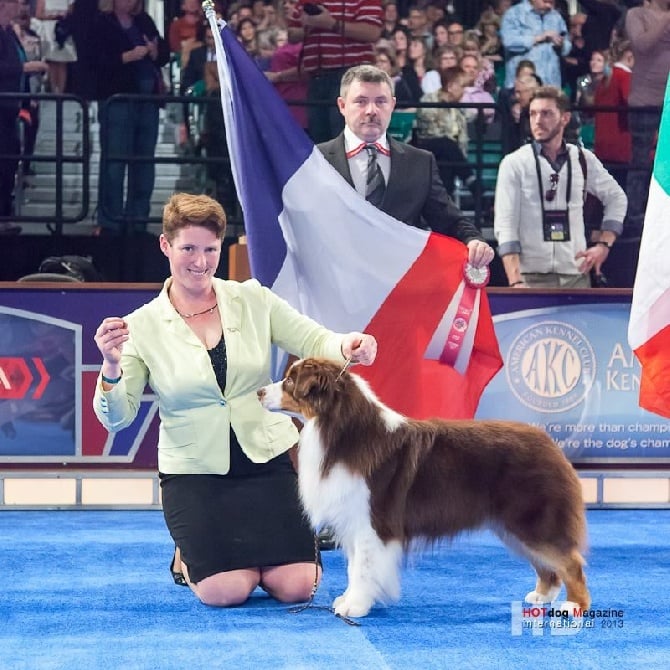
(548, 583)
(547, 587)
(571, 572)
(553, 568)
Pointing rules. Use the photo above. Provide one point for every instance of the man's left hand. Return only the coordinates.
(594, 257)
(479, 253)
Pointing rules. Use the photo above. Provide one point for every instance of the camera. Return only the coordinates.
(312, 9)
(598, 280)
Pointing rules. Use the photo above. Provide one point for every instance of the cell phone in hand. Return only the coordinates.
(312, 9)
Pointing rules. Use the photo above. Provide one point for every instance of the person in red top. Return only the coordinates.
(336, 35)
(612, 138)
(285, 71)
(183, 30)
(287, 79)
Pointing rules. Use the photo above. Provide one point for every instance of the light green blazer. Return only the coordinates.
(195, 416)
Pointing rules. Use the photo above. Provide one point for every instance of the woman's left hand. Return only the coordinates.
(359, 348)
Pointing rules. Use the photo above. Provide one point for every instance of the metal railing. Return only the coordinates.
(197, 159)
(60, 158)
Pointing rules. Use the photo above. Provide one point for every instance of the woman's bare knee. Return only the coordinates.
(226, 589)
(291, 583)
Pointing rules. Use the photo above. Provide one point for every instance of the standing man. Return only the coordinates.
(533, 30)
(395, 177)
(409, 187)
(648, 29)
(602, 17)
(13, 77)
(539, 203)
(336, 35)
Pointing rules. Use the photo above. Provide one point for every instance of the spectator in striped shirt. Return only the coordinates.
(336, 34)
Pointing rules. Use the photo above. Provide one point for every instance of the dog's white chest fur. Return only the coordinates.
(339, 499)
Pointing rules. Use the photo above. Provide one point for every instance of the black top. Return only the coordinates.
(113, 40)
(219, 359)
(11, 69)
(240, 464)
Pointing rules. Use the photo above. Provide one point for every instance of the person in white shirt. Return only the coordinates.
(539, 203)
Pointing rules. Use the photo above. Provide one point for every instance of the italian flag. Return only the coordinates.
(649, 326)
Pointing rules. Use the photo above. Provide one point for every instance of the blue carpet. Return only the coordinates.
(91, 590)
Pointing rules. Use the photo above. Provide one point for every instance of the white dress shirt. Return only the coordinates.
(358, 164)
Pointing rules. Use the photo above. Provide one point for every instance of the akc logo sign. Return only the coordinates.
(550, 366)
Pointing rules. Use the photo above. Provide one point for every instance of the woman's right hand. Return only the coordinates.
(35, 66)
(110, 336)
(135, 54)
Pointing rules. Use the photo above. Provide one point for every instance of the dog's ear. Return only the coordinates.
(313, 380)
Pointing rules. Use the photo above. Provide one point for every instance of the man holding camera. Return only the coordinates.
(539, 204)
(336, 35)
(533, 30)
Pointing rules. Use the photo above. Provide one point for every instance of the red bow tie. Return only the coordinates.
(360, 147)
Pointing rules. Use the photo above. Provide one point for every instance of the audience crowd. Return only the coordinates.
(491, 54)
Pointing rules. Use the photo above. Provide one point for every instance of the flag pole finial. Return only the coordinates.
(208, 6)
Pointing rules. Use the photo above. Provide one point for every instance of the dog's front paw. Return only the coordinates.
(537, 598)
(339, 600)
(352, 606)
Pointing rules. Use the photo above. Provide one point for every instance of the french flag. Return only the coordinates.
(318, 244)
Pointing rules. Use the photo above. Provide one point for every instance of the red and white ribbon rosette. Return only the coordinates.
(474, 279)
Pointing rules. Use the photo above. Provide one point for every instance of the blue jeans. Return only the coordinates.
(128, 129)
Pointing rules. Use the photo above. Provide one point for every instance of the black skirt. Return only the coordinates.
(249, 518)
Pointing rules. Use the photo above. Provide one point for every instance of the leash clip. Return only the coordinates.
(347, 363)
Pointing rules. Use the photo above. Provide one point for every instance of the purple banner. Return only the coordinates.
(568, 369)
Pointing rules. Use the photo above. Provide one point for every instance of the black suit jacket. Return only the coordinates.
(195, 68)
(11, 71)
(415, 193)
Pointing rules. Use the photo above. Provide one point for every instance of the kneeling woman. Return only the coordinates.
(204, 346)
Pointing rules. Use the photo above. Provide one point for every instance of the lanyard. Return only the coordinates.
(539, 182)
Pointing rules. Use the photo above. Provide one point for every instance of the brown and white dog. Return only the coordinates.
(379, 481)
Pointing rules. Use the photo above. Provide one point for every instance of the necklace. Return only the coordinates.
(209, 310)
